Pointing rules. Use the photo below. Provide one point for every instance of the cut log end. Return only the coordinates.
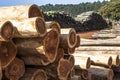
(117, 61)
(63, 69)
(39, 75)
(85, 74)
(7, 30)
(34, 11)
(8, 53)
(16, 69)
(78, 41)
(40, 26)
(51, 46)
(110, 62)
(88, 63)
(72, 38)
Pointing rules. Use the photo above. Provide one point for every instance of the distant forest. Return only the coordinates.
(74, 9)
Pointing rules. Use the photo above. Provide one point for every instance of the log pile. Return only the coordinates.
(35, 49)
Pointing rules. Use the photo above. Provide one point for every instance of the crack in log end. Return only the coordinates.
(40, 26)
(7, 30)
(51, 44)
(63, 69)
(34, 11)
(39, 75)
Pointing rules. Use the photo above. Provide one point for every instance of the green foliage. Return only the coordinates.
(75, 9)
(111, 10)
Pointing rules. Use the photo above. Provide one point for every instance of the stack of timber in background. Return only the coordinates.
(104, 55)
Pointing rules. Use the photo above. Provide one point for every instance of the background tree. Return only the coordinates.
(111, 10)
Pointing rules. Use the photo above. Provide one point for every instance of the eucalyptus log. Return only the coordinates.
(106, 42)
(34, 74)
(35, 60)
(67, 38)
(45, 48)
(82, 62)
(59, 70)
(53, 24)
(30, 27)
(15, 70)
(6, 30)
(20, 12)
(97, 59)
(101, 72)
(8, 52)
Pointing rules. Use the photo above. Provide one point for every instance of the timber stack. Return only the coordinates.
(35, 49)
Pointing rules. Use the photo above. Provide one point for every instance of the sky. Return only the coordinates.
(42, 2)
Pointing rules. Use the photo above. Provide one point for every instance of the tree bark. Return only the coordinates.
(47, 48)
(31, 27)
(6, 30)
(15, 70)
(67, 38)
(34, 74)
(102, 72)
(8, 52)
(20, 12)
(53, 24)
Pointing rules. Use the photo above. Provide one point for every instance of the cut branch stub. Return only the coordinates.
(53, 24)
(31, 27)
(20, 12)
(15, 70)
(78, 41)
(34, 74)
(68, 38)
(6, 31)
(7, 53)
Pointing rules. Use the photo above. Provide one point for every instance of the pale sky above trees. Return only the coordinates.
(42, 2)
